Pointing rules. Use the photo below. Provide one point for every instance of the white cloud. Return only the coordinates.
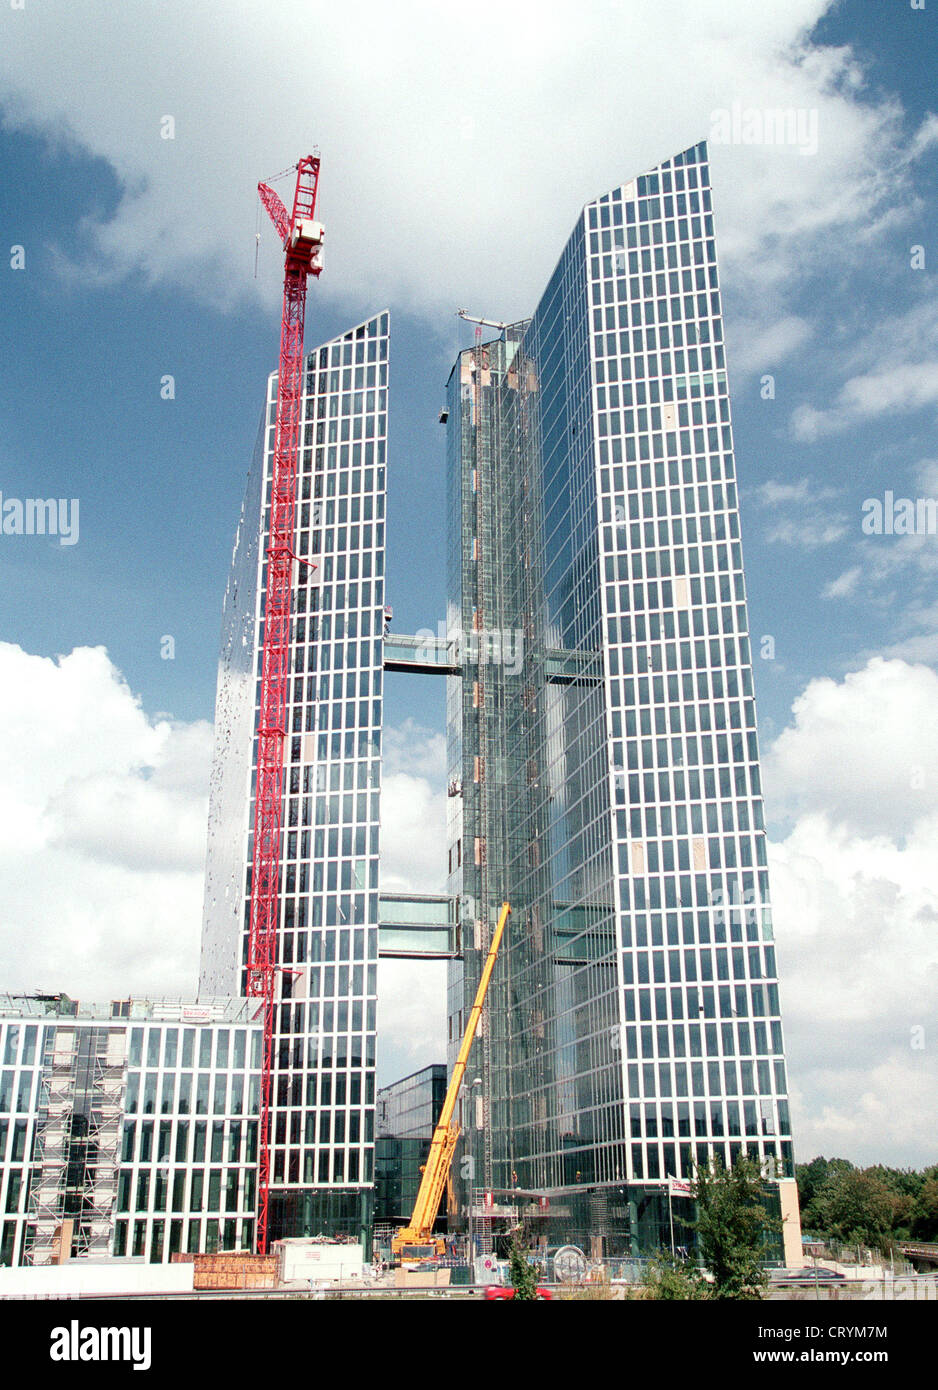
(856, 912)
(906, 387)
(800, 516)
(102, 832)
(863, 750)
(844, 586)
(411, 1017)
(102, 839)
(755, 346)
(857, 925)
(926, 137)
(918, 648)
(893, 368)
(412, 994)
(413, 810)
(420, 752)
(805, 491)
(808, 532)
(442, 135)
(102, 829)
(895, 575)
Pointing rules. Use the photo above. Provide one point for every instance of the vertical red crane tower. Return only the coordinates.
(302, 243)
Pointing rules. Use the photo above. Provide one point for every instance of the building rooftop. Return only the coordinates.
(212, 1010)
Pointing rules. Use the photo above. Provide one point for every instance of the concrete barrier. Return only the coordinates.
(82, 1278)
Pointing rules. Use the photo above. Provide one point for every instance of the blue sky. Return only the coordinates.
(160, 481)
(447, 184)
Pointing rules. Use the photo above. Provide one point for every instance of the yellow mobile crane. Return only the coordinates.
(417, 1240)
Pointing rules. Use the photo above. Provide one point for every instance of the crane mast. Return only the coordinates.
(419, 1234)
(302, 241)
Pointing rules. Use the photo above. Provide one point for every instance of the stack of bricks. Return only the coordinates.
(231, 1271)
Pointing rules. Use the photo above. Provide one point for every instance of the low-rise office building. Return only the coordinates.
(127, 1128)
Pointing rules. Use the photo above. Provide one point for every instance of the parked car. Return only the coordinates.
(501, 1291)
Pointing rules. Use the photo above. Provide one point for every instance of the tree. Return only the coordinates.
(925, 1219)
(811, 1178)
(522, 1272)
(856, 1206)
(732, 1224)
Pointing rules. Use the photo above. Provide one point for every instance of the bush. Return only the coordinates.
(670, 1278)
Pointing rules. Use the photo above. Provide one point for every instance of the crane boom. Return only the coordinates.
(302, 239)
(419, 1234)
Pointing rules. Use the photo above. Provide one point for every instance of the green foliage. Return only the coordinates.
(811, 1177)
(924, 1224)
(732, 1224)
(670, 1278)
(523, 1274)
(856, 1206)
(874, 1206)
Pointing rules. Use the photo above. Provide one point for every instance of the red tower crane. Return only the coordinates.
(302, 243)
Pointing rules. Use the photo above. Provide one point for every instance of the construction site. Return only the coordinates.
(612, 1000)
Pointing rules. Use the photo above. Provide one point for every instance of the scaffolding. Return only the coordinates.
(77, 1143)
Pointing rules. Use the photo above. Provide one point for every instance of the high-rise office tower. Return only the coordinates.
(602, 740)
(323, 1089)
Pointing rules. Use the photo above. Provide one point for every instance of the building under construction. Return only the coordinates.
(128, 1128)
(603, 778)
(602, 736)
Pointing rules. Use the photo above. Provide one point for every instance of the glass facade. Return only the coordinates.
(407, 1115)
(136, 1121)
(410, 1108)
(603, 733)
(398, 1165)
(22, 1045)
(323, 1097)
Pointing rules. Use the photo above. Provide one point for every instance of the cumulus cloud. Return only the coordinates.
(410, 748)
(413, 810)
(443, 134)
(863, 750)
(102, 840)
(856, 911)
(412, 994)
(893, 368)
(411, 1017)
(102, 831)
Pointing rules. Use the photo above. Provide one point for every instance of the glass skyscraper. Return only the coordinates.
(323, 1094)
(602, 739)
